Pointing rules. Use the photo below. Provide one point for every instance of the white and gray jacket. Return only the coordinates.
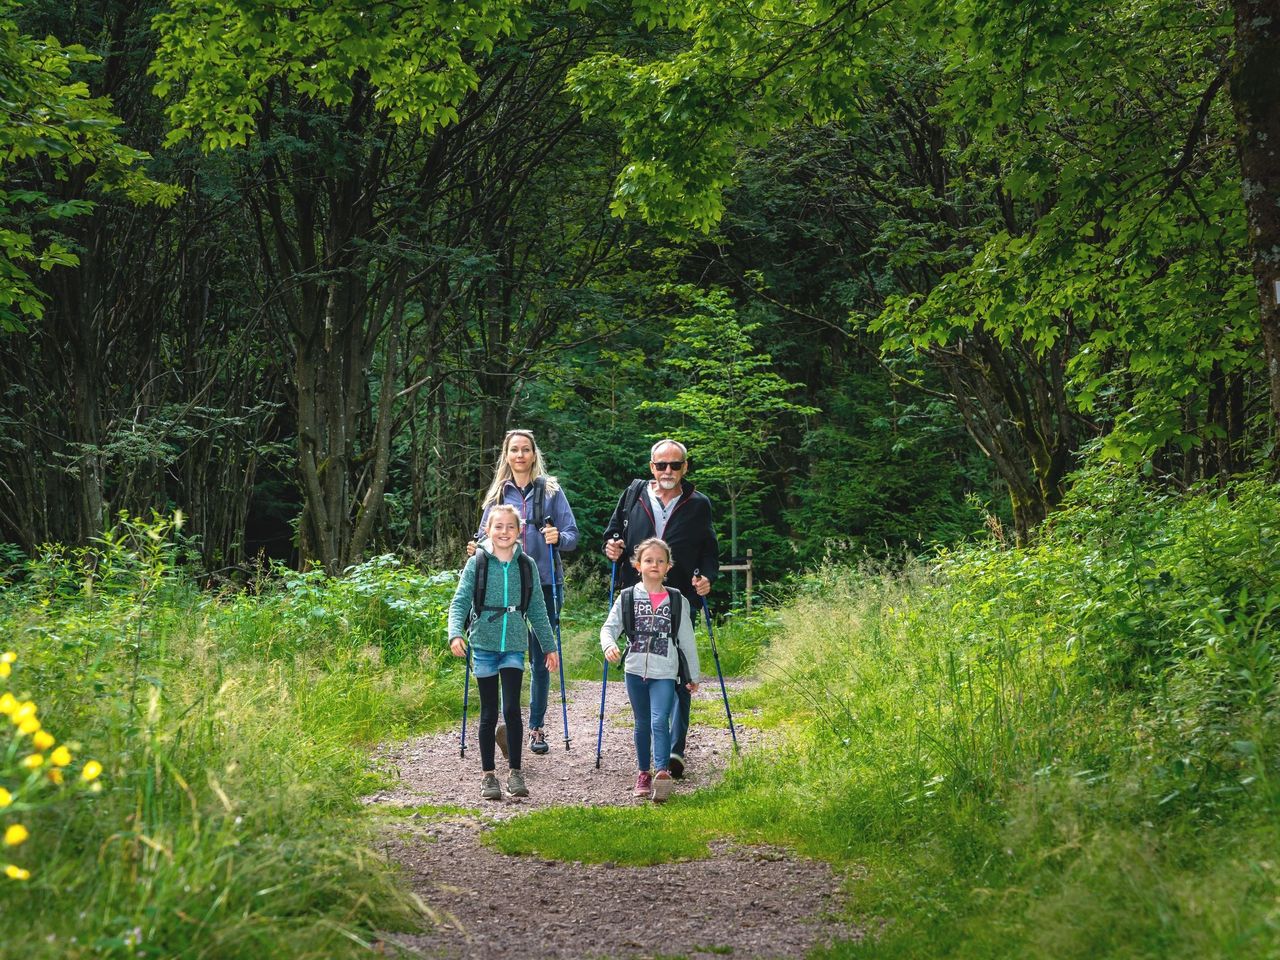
(651, 654)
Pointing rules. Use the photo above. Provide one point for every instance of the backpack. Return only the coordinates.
(528, 576)
(676, 600)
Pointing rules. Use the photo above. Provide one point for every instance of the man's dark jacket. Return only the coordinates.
(688, 533)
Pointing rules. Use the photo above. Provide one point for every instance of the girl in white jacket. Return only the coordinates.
(655, 648)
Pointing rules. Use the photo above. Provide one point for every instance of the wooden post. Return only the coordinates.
(735, 568)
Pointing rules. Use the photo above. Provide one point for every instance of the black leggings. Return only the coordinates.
(511, 681)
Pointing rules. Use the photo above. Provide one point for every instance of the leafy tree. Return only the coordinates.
(408, 173)
(324, 88)
(730, 402)
(50, 118)
(1075, 292)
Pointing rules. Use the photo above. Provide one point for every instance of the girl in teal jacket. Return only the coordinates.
(499, 639)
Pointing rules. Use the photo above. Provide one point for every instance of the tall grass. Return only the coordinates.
(1064, 751)
(234, 733)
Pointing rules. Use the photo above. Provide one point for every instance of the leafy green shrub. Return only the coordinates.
(379, 604)
(1173, 598)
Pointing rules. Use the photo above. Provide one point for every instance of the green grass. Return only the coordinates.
(1063, 752)
(1068, 751)
(640, 837)
(235, 737)
(425, 811)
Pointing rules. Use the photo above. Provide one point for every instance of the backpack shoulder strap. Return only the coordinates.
(630, 498)
(528, 576)
(628, 600)
(539, 505)
(480, 584)
(677, 607)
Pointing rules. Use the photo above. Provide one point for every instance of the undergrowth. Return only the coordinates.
(1062, 751)
(233, 734)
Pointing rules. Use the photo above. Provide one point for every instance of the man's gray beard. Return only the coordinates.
(668, 484)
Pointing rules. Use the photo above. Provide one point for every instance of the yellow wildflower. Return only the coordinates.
(29, 725)
(7, 704)
(33, 761)
(6, 797)
(15, 834)
(43, 740)
(55, 775)
(60, 757)
(5, 669)
(91, 770)
(16, 873)
(8, 657)
(23, 711)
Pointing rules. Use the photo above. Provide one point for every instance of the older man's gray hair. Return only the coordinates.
(684, 452)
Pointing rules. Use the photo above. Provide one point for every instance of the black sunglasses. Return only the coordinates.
(661, 465)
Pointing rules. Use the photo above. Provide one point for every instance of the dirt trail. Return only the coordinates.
(742, 901)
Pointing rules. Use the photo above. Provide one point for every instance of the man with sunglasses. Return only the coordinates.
(668, 507)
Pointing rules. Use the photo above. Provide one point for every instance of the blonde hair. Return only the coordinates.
(502, 508)
(644, 545)
(502, 470)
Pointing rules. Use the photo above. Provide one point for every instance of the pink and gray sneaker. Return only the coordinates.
(644, 785)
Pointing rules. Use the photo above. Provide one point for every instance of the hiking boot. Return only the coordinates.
(490, 789)
(662, 784)
(500, 738)
(538, 742)
(676, 766)
(644, 785)
(516, 785)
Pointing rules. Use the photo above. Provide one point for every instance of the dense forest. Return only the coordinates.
(967, 312)
(293, 269)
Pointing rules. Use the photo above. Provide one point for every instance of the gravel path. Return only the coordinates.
(743, 901)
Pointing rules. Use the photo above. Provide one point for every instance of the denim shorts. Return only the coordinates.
(487, 663)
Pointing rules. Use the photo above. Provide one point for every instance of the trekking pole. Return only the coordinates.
(555, 602)
(706, 609)
(466, 693)
(604, 676)
(466, 678)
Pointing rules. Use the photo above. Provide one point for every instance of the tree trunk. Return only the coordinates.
(1014, 406)
(1255, 93)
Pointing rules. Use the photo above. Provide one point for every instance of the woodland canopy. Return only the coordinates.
(294, 267)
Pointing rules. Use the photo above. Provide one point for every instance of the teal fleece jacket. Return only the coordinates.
(497, 630)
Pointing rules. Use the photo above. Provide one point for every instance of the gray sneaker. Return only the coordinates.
(515, 784)
(662, 784)
(490, 789)
(500, 737)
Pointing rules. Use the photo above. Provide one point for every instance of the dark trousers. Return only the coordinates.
(511, 681)
(539, 675)
(680, 720)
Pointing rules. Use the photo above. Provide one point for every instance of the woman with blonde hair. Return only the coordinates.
(520, 479)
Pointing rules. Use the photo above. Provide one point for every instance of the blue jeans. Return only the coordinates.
(540, 676)
(487, 663)
(651, 709)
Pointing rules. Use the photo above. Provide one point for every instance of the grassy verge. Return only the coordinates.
(234, 735)
(1067, 751)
